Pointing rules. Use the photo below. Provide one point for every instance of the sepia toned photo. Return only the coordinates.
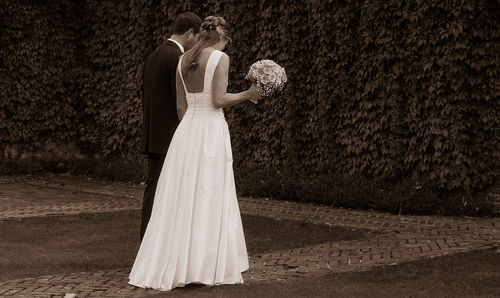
(227, 148)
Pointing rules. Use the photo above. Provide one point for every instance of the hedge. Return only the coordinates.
(38, 62)
(404, 92)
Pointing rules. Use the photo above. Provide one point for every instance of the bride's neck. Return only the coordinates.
(219, 46)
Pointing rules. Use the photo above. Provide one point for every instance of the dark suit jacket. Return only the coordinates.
(159, 99)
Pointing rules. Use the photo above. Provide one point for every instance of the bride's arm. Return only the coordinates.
(181, 96)
(220, 97)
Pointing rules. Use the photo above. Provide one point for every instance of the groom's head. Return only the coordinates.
(187, 27)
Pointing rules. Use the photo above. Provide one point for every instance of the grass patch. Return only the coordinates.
(61, 244)
(473, 274)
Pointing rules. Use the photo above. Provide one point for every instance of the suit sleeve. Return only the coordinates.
(143, 74)
(172, 61)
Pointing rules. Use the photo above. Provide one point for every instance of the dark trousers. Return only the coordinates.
(155, 164)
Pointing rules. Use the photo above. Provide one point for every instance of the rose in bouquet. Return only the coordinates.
(268, 76)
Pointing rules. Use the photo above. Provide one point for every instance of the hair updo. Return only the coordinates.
(212, 30)
(210, 23)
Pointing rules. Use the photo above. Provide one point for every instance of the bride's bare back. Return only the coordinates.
(194, 79)
(193, 82)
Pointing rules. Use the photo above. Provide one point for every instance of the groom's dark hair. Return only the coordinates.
(185, 21)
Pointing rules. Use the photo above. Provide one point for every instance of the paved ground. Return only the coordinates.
(400, 238)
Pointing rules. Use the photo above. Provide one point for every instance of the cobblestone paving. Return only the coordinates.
(403, 238)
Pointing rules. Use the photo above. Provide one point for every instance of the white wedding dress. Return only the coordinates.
(195, 234)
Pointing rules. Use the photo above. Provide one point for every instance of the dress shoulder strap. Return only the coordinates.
(179, 68)
(212, 62)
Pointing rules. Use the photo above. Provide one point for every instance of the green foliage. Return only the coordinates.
(38, 65)
(404, 196)
(386, 89)
(394, 90)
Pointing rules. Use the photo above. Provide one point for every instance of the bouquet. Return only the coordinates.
(268, 76)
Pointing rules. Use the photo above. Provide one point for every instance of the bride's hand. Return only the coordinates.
(254, 93)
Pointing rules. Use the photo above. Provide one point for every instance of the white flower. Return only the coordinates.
(267, 62)
(264, 79)
(272, 77)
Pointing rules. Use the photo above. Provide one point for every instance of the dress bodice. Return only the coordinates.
(200, 103)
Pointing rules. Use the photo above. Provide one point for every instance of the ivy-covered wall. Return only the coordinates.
(403, 90)
(39, 63)
(384, 88)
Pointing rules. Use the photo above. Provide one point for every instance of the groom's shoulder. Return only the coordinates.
(171, 47)
(165, 48)
(170, 52)
(165, 52)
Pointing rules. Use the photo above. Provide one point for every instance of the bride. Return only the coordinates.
(195, 234)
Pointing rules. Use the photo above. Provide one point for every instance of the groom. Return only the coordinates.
(159, 102)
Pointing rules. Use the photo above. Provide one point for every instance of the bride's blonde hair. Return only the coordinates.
(212, 30)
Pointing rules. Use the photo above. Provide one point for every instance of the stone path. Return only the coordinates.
(399, 238)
